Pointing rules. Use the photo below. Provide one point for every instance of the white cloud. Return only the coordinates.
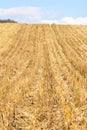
(37, 15)
(50, 21)
(32, 11)
(68, 20)
(71, 20)
(22, 14)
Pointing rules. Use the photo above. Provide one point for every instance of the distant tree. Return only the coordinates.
(7, 21)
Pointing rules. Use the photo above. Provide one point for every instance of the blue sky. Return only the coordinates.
(58, 11)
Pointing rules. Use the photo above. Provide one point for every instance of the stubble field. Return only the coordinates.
(43, 77)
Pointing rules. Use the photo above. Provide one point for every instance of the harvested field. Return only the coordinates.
(43, 77)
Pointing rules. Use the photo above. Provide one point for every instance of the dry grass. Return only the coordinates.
(43, 77)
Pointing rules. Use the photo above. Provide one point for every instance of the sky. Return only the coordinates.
(45, 11)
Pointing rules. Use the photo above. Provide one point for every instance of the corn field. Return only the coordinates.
(43, 77)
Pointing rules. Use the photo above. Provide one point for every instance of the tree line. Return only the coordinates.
(7, 21)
